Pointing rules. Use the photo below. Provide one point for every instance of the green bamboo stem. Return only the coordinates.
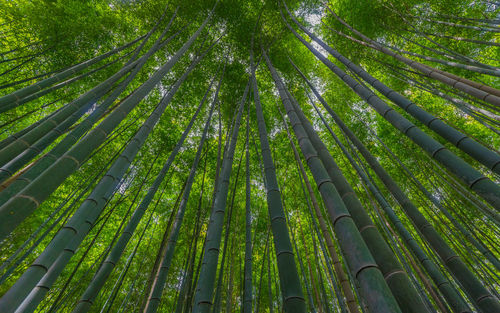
(101, 276)
(60, 85)
(293, 298)
(28, 199)
(453, 298)
(54, 155)
(33, 147)
(397, 280)
(220, 278)
(468, 235)
(22, 143)
(359, 259)
(206, 280)
(247, 283)
(344, 282)
(159, 281)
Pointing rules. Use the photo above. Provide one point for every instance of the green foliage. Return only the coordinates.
(41, 36)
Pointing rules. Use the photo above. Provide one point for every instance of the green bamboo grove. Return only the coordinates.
(326, 156)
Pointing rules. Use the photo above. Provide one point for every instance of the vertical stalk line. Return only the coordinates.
(261, 277)
(314, 283)
(303, 272)
(247, 280)
(189, 272)
(269, 283)
(161, 276)
(293, 298)
(397, 280)
(218, 289)
(141, 302)
(101, 276)
(206, 280)
(344, 282)
(360, 261)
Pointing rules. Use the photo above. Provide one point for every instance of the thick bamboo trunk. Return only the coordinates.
(361, 263)
(342, 277)
(159, 281)
(247, 283)
(206, 280)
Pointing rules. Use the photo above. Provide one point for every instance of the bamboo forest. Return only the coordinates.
(325, 156)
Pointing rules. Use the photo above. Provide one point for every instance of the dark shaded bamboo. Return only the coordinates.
(19, 134)
(453, 298)
(220, 278)
(344, 282)
(470, 19)
(161, 250)
(206, 280)
(159, 281)
(360, 261)
(397, 280)
(228, 245)
(293, 298)
(478, 245)
(257, 300)
(247, 281)
(454, 54)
